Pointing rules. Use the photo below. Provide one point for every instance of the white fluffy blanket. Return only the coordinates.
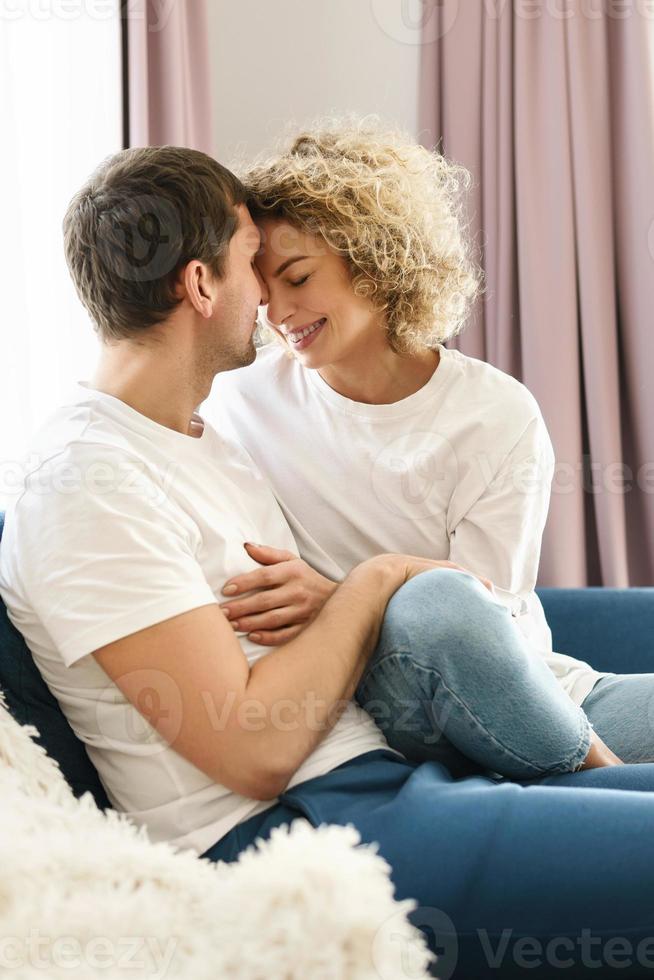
(86, 895)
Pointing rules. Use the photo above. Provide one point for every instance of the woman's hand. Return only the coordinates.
(290, 595)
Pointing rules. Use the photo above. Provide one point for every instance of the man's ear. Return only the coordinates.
(197, 283)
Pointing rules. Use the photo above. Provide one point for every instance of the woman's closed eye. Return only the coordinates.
(299, 282)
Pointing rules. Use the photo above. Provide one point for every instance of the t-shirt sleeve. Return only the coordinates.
(499, 535)
(107, 558)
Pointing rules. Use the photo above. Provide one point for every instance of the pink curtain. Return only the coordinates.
(169, 75)
(551, 106)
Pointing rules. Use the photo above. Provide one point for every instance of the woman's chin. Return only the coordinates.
(311, 359)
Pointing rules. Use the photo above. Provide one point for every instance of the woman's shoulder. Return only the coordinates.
(271, 363)
(490, 387)
(496, 409)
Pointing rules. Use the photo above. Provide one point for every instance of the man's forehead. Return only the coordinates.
(247, 231)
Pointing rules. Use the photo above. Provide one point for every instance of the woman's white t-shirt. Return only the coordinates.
(459, 470)
(124, 523)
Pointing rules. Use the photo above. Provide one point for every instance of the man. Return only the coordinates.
(135, 516)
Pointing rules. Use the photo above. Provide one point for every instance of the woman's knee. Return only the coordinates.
(441, 601)
(441, 585)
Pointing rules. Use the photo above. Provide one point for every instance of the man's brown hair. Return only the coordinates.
(139, 219)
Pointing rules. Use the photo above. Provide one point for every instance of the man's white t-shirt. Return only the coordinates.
(123, 523)
(459, 470)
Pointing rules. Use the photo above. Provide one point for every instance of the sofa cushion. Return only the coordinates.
(31, 703)
(611, 629)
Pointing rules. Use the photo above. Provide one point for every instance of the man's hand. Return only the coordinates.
(415, 566)
(290, 595)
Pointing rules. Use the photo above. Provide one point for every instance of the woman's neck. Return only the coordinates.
(382, 378)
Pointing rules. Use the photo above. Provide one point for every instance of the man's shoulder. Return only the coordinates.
(73, 462)
(78, 430)
(76, 463)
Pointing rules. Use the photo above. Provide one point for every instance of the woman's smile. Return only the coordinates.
(302, 337)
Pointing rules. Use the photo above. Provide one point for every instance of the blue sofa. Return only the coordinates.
(612, 629)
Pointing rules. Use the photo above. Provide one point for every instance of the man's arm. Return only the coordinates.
(249, 728)
(285, 595)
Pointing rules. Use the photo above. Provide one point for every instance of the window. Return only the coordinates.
(60, 114)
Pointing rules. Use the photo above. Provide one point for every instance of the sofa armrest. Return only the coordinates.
(611, 629)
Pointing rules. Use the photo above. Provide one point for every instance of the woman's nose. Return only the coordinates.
(276, 312)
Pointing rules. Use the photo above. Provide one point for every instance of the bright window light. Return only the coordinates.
(60, 115)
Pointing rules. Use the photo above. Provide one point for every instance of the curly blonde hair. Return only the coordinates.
(391, 208)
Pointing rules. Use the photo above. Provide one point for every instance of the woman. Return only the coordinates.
(375, 437)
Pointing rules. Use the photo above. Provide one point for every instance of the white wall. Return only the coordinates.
(278, 62)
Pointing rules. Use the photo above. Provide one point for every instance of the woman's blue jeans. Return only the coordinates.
(454, 681)
(545, 873)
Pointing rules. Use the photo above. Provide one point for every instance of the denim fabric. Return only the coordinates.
(546, 875)
(452, 680)
(549, 879)
(621, 710)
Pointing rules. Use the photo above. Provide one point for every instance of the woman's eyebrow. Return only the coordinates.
(285, 265)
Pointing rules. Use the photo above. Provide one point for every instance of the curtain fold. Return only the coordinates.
(553, 113)
(169, 74)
